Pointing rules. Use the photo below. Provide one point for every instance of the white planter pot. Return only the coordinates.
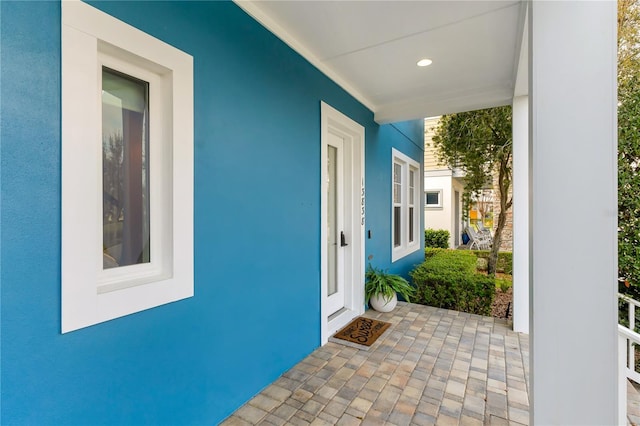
(382, 304)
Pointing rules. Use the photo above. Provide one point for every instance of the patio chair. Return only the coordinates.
(480, 241)
(484, 231)
(485, 236)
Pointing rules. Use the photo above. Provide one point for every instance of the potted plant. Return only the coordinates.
(381, 289)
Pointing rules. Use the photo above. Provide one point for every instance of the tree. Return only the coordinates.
(629, 143)
(628, 40)
(480, 142)
(629, 186)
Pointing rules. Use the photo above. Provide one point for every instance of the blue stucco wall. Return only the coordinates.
(255, 312)
(407, 137)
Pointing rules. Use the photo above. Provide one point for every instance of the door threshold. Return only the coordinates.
(339, 319)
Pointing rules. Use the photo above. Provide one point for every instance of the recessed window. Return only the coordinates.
(433, 198)
(127, 154)
(405, 221)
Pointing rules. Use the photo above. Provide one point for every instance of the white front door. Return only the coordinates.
(342, 218)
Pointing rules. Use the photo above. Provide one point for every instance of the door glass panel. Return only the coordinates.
(125, 170)
(332, 219)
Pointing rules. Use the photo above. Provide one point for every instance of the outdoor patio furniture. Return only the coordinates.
(481, 241)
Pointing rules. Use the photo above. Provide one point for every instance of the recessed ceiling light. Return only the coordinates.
(424, 62)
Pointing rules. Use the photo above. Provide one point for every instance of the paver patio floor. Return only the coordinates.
(432, 366)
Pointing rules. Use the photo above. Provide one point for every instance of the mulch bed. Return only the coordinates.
(502, 302)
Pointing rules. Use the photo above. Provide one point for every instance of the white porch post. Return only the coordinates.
(521, 214)
(573, 224)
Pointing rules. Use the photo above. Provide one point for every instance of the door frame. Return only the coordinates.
(337, 123)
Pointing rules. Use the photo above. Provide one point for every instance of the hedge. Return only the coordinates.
(448, 279)
(436, 238)
(505, 260)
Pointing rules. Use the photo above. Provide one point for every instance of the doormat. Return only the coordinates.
(362, 332)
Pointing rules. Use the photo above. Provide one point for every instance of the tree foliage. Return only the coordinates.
(629, 143)
(480, 142)
(628, 40)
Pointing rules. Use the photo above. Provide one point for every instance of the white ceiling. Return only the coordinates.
(370, 48)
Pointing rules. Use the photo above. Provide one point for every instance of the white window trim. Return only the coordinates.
(90, 295)
(406, 247)
(433, 206)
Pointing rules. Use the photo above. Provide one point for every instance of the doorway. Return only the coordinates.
(342, 221)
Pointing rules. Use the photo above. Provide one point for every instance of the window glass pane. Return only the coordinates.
(397, 237)
(432, 198)
(411, 236)
(411, 186)
(125, 169)
(397, 183)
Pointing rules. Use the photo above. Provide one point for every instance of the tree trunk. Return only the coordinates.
(504, 182)
(495, 247)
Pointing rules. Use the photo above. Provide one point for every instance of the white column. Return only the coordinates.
(572, 60)
(521, 214)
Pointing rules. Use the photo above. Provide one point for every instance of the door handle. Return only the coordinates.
(343, 241)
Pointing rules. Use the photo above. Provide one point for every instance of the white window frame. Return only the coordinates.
(438, 205)
(92, 39)
(406, 247)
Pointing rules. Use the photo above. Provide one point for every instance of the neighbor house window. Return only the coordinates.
(127, 169)
(433, 198)
(405, 218)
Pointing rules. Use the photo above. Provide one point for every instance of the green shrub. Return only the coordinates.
(505, 260)
(629, 183)
(450, 260)
(448, 279)
(436, 238)
(432, 251)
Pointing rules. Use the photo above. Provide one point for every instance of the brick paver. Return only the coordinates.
(433, 366)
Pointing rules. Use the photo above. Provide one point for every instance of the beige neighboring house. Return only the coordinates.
(443, 189)
(443, 196)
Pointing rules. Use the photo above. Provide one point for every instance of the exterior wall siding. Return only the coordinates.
(256, 307)
(430, 159)
(439, 217)
(439, 176)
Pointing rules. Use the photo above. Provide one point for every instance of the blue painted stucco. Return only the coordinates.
(255, 312)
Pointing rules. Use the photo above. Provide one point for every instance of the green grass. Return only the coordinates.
(504, 283)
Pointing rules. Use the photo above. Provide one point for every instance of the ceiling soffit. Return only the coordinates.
(370, 48)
